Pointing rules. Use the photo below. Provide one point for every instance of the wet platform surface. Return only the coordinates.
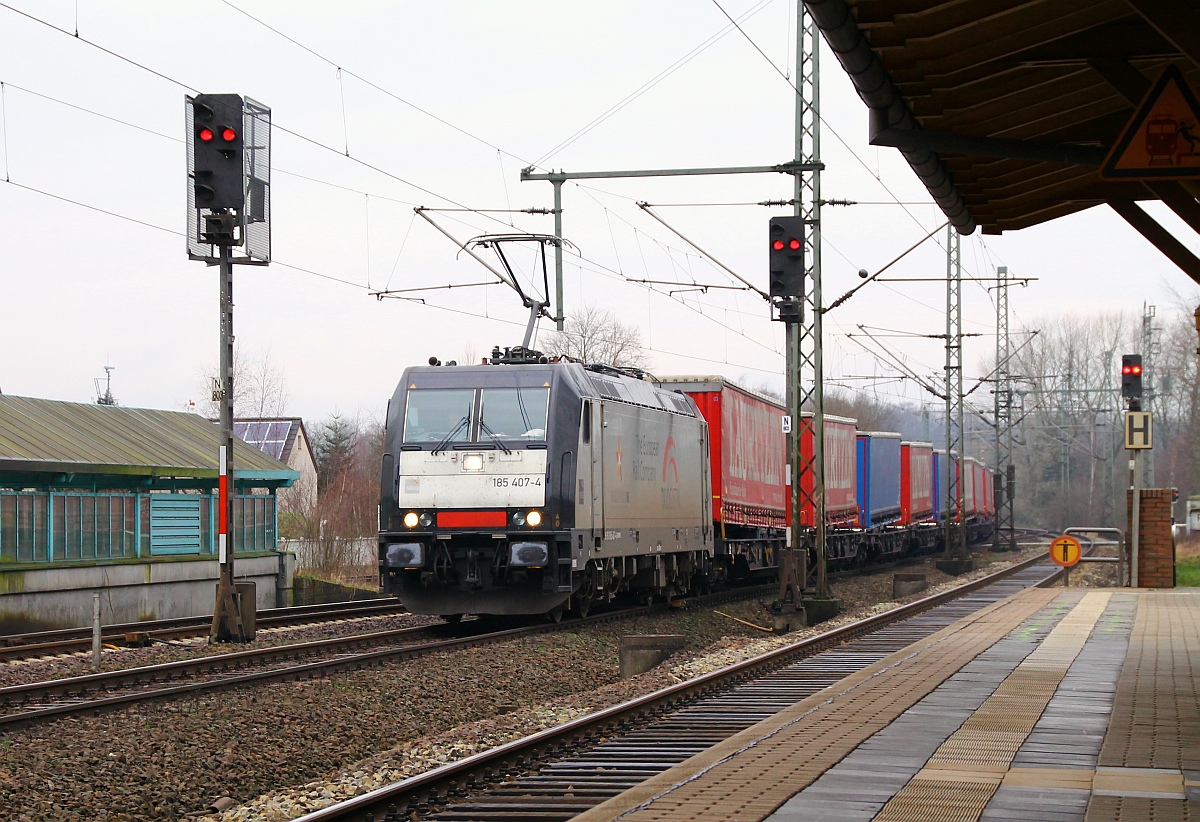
(1054, 704)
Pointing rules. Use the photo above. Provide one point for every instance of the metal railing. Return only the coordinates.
(1088, 533)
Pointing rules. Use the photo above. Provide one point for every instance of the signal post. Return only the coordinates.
(1139, 437)
(227, 208)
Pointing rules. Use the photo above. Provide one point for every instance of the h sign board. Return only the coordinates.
(1139, 430)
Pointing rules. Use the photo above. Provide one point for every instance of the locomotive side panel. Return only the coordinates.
(653, 470)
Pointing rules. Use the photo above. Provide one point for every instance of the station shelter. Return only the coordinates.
(124, 501)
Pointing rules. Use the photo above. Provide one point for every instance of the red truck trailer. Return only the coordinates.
(747, 450)
(916, 482)
(749, 456)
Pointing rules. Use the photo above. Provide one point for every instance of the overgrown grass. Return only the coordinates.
(1187, 562)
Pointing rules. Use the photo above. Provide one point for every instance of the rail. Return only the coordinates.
(518, 755)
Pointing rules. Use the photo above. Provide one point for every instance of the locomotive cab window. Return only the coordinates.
(513, 413)
(435, 414)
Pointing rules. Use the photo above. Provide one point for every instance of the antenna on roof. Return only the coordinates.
(105, 397)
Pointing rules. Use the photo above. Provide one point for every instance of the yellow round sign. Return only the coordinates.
(1066, 550)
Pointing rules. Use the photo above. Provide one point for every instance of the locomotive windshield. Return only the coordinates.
(448, 414)
(514, 413)
(434, 414)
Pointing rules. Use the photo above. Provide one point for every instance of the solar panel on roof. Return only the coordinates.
(270, 437)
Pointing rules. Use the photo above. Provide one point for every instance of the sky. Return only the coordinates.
(380, 107)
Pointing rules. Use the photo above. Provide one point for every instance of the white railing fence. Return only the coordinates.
(331, 553)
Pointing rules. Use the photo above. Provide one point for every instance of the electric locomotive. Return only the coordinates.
(530, 486)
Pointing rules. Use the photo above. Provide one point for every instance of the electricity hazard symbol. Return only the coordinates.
(1162, 140)
(1065, 551)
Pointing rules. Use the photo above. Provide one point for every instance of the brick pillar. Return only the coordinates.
(1156, 542)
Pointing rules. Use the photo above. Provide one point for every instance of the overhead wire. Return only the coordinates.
(388, 92)
(645, 87)
(366, 288)
(276, 125)
(896, 200)
(4, 126)
(380, 170)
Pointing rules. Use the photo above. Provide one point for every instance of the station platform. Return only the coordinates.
(1053, 704)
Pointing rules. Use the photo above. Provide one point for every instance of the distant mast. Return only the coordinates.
(105, 397)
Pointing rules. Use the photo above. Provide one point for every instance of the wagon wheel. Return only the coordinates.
(582, 599)
(860, 556)
(453, 619)
(555, 614)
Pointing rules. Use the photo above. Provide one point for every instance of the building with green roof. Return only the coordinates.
(125, 498)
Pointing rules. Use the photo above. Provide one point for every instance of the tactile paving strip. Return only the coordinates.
(978, 749)
(751, 774)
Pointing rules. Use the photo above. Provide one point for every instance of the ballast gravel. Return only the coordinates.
(278, 750)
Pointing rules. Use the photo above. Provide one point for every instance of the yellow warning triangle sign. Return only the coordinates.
(1162, 140)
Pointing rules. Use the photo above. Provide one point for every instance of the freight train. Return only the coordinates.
(530, 486)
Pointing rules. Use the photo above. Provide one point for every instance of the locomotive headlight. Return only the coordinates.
(411, 519)
(472, 462)
(426, 519)
(529, 554)
(518, 519)
(534, 518)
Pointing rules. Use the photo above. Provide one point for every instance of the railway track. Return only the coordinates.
(560, 772)
(27, 704)
(73, 640)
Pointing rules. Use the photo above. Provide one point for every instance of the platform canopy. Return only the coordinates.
(1007, 111)
(49, 442)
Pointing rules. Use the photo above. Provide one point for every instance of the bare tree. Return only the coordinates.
(872, 414)
(259, 388)
(349, 452)
(595, 335)
(262, 389)
(1067, 423)
(763, 387)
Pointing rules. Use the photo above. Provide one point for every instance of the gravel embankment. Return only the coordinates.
(337, 736)
(24, 671)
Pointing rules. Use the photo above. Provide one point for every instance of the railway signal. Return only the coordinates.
(222, 164)
(1131, 380)
(218, 172)
(787, 257)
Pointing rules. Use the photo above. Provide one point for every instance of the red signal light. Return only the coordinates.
(228, 135)
(777, 245)
(794, 244)
(1137, 369)
(206, 135)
